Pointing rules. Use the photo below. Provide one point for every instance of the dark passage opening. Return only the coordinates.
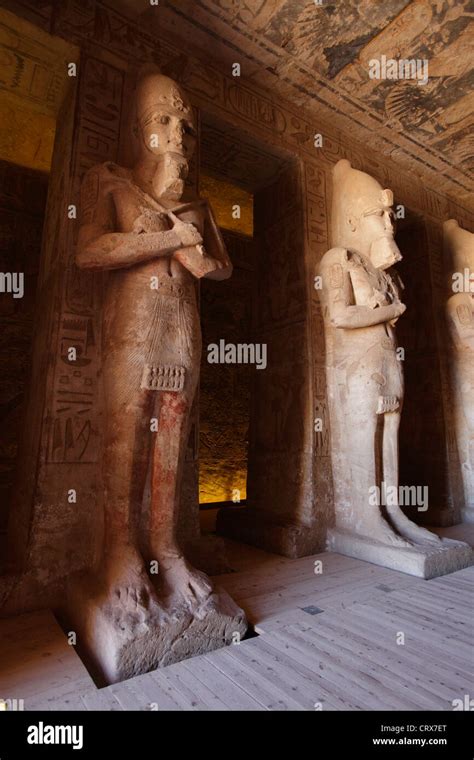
(233, 167)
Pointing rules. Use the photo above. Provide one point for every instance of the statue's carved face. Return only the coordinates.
(170, 137)
(164, 131)
(376, 226)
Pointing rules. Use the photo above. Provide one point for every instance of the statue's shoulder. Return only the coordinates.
(340, 259)
(335, 256)
(332, 267)
(106, 174)
(97, 188)
(459, 305)
(456, 299)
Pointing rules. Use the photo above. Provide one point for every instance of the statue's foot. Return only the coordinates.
(411, 530)
(127, 584)
(379, 530)
(179, 581)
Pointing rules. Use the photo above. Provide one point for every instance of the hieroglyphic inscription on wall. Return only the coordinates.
(73, 429)
(316, 199)
(317, 243)
(106, 26)
(224, 153)
(31, 69)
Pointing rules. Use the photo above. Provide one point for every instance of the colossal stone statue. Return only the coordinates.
(361, 298)
(459, 251)
(135, 225)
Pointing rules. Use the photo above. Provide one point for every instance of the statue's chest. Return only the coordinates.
(134, 211)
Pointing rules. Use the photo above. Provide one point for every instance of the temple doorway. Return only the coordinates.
(249, 414)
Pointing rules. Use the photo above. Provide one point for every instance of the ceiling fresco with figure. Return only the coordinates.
(317, 56)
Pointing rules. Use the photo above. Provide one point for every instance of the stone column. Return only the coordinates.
(459, 254)
(55, 524)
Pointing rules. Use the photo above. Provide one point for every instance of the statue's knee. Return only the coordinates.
(176, 404)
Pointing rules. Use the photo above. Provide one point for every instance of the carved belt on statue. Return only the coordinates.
(162, 377)
(388, 404)
(388, 343)
(169, 336)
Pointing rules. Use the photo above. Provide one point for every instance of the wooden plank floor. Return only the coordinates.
(37, 661)
(349, 636)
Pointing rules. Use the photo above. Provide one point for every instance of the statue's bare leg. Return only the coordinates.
(400, 521)
(363, 454)
(126, 448)
(176, 577)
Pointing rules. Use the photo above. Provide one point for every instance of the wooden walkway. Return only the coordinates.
(350, 636)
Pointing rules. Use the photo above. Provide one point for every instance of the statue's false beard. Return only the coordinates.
(384, 252)
(169, 178)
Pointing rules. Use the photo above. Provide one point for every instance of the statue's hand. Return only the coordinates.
(187, 232)
(195, 260)
(216, 263)
(399, 308)
(376, 299)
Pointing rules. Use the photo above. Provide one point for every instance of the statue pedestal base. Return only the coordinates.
(119, 642)
(422, 560)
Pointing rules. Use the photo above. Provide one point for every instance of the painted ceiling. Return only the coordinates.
(316, 54)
